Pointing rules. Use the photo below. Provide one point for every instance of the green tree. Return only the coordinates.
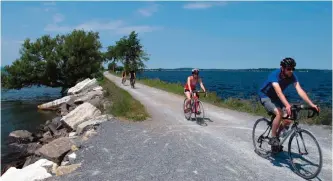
(130, 52)
(112, 66)
(61, 61)
(119, 68)
(112, 55)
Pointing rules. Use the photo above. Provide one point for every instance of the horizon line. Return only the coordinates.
(235, 68)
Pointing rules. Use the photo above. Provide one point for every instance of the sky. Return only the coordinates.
(225, 35)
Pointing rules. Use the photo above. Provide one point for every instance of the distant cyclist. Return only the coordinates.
(123, 79)
(190, 85)
(132, 76)
(272, 97)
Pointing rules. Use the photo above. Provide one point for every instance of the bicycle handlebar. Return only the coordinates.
(199, 92)
(295, 109)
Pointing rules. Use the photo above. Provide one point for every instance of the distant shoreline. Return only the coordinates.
(249, 69)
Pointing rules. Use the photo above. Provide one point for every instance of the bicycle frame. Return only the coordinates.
(194, 101)
(294, 128)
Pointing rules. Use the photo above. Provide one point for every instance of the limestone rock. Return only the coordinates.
(56, 150)
(62, 170)
(91, 122)
(80, 114)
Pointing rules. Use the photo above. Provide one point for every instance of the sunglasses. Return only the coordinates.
(290, 68)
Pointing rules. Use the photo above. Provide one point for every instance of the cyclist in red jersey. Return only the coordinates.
(190, 86)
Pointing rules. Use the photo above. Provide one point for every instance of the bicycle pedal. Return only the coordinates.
(276, 149)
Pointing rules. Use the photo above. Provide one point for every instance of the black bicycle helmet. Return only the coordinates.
(288, 62)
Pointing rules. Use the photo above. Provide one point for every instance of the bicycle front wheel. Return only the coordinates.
(200, 112)
(187, 114)
(300, 148)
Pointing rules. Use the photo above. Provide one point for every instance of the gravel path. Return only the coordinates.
(168, 147)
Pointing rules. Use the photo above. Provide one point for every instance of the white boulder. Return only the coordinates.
(54, 104)
(83, 85)
(80, 114)
(91, 122)
(35, 171)
(88, 96)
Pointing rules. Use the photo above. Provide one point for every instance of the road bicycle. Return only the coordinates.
(196, 108)
(123, 80)
(132, 82)
(294, 132)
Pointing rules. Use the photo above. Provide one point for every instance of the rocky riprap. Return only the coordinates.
(51, 150)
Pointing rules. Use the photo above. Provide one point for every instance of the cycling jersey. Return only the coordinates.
(193, 83)
(267, 90)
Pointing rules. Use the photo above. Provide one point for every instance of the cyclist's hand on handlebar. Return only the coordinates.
(316, 108)
(288, 109)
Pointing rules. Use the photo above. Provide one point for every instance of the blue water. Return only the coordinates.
(244, 84)
(19, 110)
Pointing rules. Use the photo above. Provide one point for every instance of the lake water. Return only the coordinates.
(243, 84)
(19, 107)
(19, 110)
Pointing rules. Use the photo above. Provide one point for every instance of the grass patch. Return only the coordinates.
(251, 105)
(123, 105)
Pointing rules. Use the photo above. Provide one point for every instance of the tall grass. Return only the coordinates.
(123, 105)
(251, 105)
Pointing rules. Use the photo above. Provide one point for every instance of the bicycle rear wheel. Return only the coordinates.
(262, 128)
(302, 149)
(132, 83)
(187, 114)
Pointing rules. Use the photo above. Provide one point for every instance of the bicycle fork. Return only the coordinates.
(299, 150)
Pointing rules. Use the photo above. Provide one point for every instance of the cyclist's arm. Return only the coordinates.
(134, 75)
(201, 85)
(189, 83)
(280, 94)
(303, 94)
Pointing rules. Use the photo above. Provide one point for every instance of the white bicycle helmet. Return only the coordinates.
(195, 70)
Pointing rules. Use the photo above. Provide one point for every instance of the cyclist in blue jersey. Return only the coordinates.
(272, 97)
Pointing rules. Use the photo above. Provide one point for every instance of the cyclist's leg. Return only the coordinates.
(276, 108)
(188, 96)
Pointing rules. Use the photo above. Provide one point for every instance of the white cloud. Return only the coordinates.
(57, 18)
(115, 26)
(148, 11)
(100, 26)
(54, 27)
(203, 5)
(57, 28)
